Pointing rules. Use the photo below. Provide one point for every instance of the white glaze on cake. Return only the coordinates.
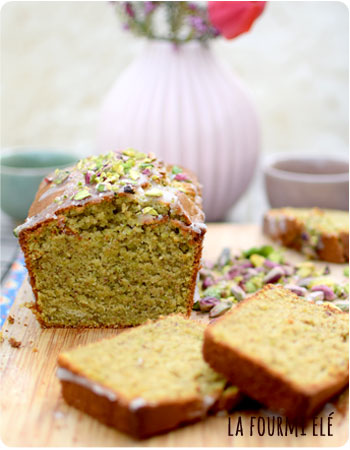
(182, 197)
(66, 375)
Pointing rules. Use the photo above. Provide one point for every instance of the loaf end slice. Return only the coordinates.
(284, 352)
(319, 234)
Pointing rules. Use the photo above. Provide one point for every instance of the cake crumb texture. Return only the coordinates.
(154, 376)
(160, 361)
(275, 344)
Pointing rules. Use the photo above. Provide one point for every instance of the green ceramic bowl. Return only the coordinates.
(21, 173)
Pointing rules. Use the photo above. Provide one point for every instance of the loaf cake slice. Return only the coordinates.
(113, 241)
(282, 351)
(320, 234)
(146, 380)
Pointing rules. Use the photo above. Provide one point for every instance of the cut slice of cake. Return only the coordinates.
(113, 241)
(146, 380)
(319, 234)
(288, 354)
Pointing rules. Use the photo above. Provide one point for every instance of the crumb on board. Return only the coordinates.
(14, 343)
(35, 350)
(11, 319)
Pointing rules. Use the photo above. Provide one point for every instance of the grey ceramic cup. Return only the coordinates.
(21, 172)
(304, 180)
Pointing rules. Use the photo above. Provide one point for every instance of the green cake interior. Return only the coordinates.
(99, 265)
(144, 363)
(304, 343)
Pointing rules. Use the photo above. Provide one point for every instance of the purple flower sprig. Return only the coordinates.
(183, 21)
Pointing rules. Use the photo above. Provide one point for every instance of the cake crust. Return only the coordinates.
(140, 423)
(258, 380)
(146, 421)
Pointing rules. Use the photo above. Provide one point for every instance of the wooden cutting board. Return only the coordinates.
(34, 414)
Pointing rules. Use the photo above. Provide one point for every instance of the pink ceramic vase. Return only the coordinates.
(182, 104)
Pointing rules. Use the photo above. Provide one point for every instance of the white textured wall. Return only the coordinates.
(60, 58)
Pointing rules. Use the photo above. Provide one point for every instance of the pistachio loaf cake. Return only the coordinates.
(289, 354)
(318, 233)
(113, 241)
(146, 380)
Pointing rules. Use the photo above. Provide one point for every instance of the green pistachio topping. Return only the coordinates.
(101, 187)
(134, 175)
(149, 210)
(60, 176)
(129, 152)
(146, 165)
(115, 170)
(82, 194)
(154, 193)
(176, 170)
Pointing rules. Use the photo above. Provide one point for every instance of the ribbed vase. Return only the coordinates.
(182, 104)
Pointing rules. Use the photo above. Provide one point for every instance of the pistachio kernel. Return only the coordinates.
(82, 194)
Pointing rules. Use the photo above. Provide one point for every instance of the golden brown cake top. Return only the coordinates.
(124, 173)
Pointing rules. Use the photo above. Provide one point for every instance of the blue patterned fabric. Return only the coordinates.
(11, 286)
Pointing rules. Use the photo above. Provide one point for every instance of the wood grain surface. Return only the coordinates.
(33, 412)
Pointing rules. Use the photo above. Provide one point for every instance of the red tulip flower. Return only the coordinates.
(234, 18)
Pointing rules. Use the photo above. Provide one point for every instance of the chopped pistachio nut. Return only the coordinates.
(322, 280)
(82, 194)
(305, 269)
(145, 165)
(220, 309)
(232, 278)
(133, 174)
(257, 260)
(154, 193)
(254, 284)
(176, 170)
(150, 211)
(346, 271)
(61, 176)
(212, 292)
(265, 251)
(140, 155)
(118, 167)
(101, 187)
(128, 165)
(115, 170)
(58, 200)
(129, 152)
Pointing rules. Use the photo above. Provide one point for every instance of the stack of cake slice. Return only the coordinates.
(288, 354)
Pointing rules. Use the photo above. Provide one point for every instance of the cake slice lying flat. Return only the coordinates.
(318, 233)
(146, 380)
(288, 354)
